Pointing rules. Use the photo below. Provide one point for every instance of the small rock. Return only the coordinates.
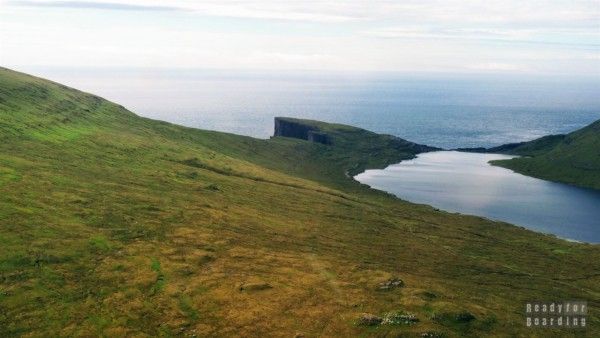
(464, 317)
(399, 318)
(368, 319)
(432, 334)
(390, 284)
(254, 286)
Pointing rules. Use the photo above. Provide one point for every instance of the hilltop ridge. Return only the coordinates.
(573, 158)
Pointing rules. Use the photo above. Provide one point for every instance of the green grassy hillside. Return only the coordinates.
(572, 158)
(115, 225)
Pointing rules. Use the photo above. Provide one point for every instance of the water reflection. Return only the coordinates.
(466, 183)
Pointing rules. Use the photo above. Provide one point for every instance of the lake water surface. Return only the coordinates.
(466, 183)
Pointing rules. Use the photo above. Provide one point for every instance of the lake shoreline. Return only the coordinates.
(468, 184)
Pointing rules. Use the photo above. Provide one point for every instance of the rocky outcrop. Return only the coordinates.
(258, 286)
(288, 128)
(319, 137)
(390, 284)
(367, 319)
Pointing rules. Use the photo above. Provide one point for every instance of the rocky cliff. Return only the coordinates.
(290, 128)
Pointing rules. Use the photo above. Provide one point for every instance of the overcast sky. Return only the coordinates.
(508, 36)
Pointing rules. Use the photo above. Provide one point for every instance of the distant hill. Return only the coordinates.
(573, 158)
(368, 149)
(114, 225)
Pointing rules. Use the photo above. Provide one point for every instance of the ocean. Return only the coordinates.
(442, 110)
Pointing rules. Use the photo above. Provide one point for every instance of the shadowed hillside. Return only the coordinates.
(116, 225)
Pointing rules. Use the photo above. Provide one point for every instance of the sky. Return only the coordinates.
(488, 36)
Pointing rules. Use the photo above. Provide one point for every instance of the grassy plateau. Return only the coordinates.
(115, 225)
(573, 158)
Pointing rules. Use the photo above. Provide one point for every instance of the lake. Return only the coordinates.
(466, 183)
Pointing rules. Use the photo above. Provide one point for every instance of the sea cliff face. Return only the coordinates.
(288, 128)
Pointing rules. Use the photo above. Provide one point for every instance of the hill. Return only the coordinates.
(116, 225)
(573, 158)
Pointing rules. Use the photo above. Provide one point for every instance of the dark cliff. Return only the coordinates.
(319, 137)
(290, 128)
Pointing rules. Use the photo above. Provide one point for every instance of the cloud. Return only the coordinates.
(269, 10)
(412, 35)
(302, 60)
(496, 66)
(592, 56)
(569, 37)
(486, 12)
(92, 5)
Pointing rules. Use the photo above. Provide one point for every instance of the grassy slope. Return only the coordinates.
(112, 224)
(572, 158)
